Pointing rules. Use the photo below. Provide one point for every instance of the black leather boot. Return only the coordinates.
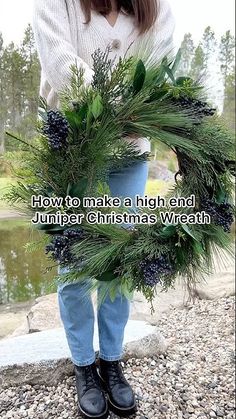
(91, 397)
(120, 394)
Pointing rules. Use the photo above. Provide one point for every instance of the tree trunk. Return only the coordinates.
(2, 139)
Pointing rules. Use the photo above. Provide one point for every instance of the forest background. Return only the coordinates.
(211, 61)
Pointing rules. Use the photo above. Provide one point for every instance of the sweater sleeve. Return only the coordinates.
(53, 41)
(164, 28)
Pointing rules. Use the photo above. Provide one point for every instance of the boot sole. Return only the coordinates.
(115, 409)
(121, 412)
(86, 416)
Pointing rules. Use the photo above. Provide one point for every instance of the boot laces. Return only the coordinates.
(90, 377)
(116, 373)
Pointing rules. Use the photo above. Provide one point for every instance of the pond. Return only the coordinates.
(22, 274)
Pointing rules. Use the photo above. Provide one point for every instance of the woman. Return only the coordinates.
(68, 32)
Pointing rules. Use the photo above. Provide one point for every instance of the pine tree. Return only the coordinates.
(227, 54)
(20, 77)
(208, 44)
(198, 67)
(227, 57)
(187, 51)
(195, 61)
(13, 69)
(3, 108)
(31, 80)
(229, 100)
(32, 70)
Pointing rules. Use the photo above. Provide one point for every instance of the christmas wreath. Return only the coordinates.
(81, 143)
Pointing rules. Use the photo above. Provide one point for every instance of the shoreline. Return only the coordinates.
(12, 316)
(6, 214)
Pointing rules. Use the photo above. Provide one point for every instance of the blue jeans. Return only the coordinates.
(76, 309)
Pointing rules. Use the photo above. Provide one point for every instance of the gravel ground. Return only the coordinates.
(195, 379)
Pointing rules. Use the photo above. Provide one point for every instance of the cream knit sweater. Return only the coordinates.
(62, 39)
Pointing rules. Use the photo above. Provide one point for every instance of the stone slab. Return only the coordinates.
(44, 357)
(52, 345)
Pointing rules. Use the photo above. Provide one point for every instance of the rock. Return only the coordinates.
(148, 346)
(43, 315)
(12, 316)
(194, 403)
(159, 171)
(220, 413)
(218, 285)
(9, 321)
(48, 372)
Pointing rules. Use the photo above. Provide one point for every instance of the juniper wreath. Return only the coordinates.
(78, 146)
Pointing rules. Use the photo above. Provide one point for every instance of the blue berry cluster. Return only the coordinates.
(199, 108)
(221, 214)
(60, 246)
(154, 270)
(56, 130)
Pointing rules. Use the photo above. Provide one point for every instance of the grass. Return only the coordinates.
(11, 225)
(157, 187)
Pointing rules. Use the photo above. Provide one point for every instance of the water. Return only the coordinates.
(22, 274)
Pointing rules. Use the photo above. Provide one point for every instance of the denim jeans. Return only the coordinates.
(75, 304)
